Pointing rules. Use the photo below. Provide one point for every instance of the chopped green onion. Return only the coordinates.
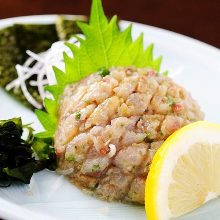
(78, 115)
(70, 158)
(95, 168)
(170, 101)
(166, 73)
(103, 72)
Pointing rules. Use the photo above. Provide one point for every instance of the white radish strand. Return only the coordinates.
(40, 65)
(24, 89)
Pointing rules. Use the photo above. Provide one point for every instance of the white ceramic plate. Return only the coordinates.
(191, 63)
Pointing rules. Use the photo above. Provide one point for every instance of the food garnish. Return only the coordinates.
(21, 71)
(78, 115)
(103, 72)
(104, 46)
(36, 73)
(185, 172)
(21, 157)
(14, 41)
(66, 26)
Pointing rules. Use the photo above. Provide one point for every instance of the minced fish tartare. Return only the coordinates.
(110, 127)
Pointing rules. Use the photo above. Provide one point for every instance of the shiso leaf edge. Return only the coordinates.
(104, 46)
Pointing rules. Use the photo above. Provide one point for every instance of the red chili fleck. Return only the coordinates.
(175, 126)
(177, 107)
(106, 80)
(128, 70)
(151, 73)
(104, 150)
(142, 78)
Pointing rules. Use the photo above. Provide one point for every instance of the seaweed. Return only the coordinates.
(10, 54)
(35, 37)
(67, 26)
(16, 39)
(21, 157)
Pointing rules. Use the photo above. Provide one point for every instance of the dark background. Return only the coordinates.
(199, 19)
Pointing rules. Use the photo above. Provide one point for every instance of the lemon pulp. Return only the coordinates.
(185, 172)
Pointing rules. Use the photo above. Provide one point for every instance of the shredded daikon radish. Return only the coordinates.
(40, 65)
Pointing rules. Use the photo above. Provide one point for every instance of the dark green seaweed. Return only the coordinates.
(21, 158)
(67, 27)
(35, 37)
(16, 39)
(10, 55)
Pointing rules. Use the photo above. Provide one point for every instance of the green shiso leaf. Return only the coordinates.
(47, 120)
(104, 46)
(50, 106)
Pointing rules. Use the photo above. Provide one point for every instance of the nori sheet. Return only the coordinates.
(66, 27)
(35, 37)
(16, 39)
(10, 54)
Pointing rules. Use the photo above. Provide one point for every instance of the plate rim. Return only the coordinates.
(50, 18)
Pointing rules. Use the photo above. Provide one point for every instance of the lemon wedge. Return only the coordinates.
(185, 172)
